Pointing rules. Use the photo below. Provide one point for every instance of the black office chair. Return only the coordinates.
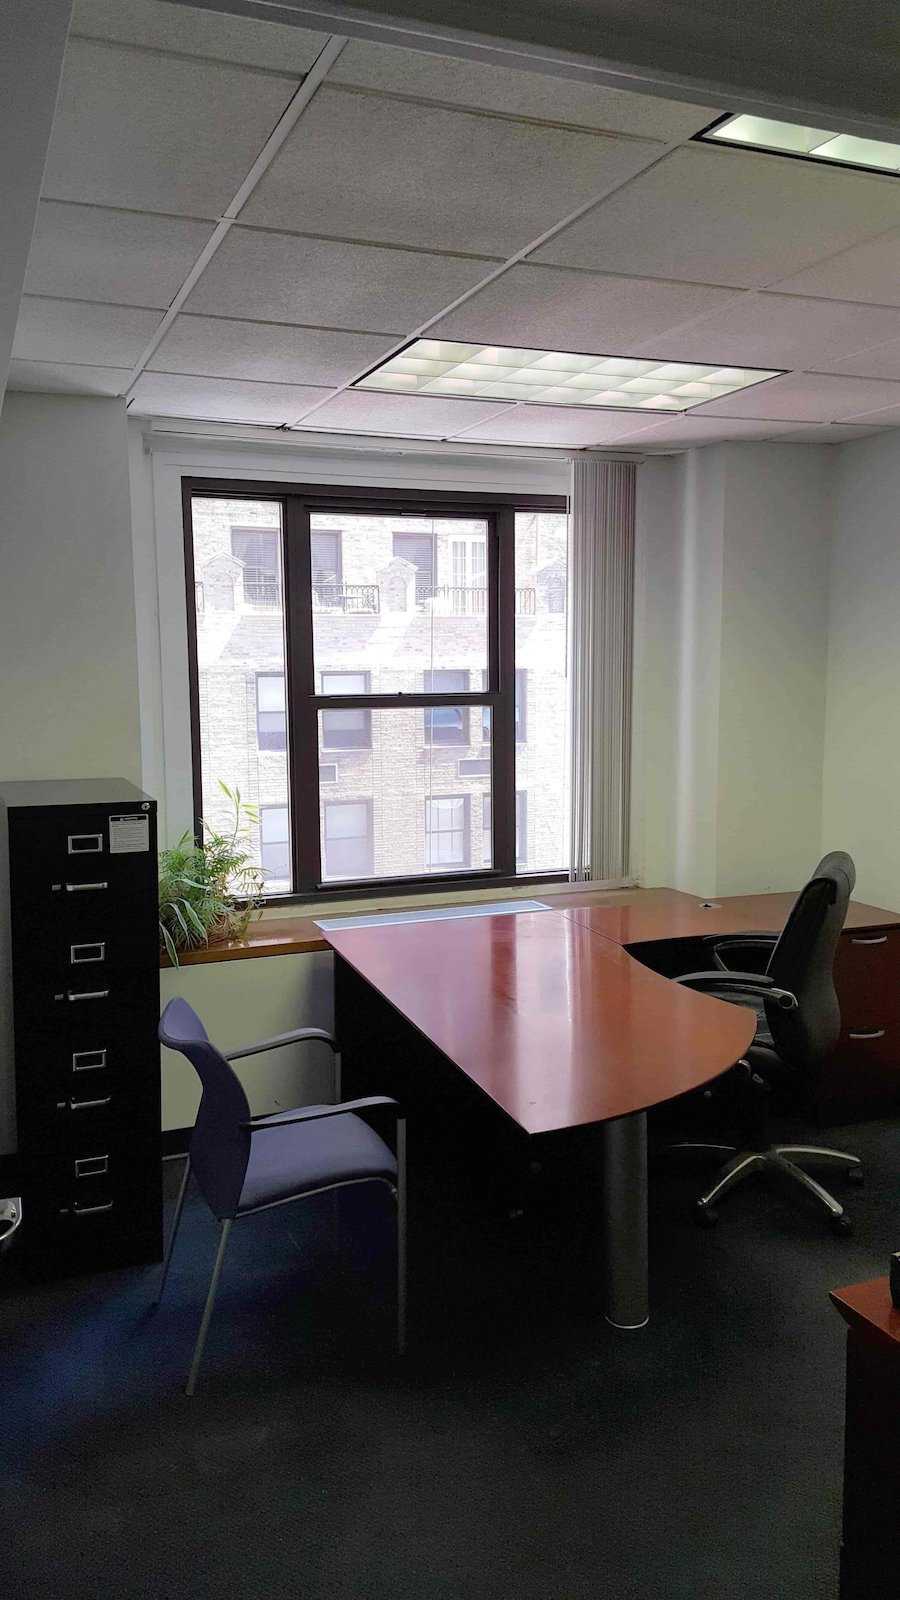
(799, 1023)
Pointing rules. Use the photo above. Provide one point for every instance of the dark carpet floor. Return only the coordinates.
(522, 1449)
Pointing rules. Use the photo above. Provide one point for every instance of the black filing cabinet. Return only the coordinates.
(79, 1006)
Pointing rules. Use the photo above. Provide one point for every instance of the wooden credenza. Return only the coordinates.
(870, 1547)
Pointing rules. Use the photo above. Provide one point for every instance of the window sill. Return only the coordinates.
(275, 935)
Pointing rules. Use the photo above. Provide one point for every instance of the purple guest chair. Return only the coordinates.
(245, 1164)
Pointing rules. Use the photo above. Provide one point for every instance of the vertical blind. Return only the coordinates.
(600, 665)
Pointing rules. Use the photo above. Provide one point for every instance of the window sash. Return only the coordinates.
(303, 702)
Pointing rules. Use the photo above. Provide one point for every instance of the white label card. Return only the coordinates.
(128, 835)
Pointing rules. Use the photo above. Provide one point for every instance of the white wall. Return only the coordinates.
(862, 739)
(68, 651)
(730, 662)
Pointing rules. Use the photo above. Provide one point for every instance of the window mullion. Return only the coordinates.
(502, 644)
(302, 720)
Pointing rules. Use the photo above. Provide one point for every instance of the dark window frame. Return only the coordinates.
(298, 502)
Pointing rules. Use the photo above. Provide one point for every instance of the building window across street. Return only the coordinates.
(382, 675)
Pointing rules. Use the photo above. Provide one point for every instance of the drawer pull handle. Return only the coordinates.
(88, 1060)
(91, 1166)
(89, 1105)
(866, 1033)
(86, 994)
(85, 844)
(91, 1211)
(81, 953)
(85, 888)
(880, 939)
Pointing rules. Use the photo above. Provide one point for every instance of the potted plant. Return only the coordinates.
(209, 891)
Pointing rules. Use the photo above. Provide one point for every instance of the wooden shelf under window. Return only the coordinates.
(282, 936)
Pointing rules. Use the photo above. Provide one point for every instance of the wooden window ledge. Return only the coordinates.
(281, 936)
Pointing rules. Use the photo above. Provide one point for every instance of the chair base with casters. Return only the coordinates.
(244, 1165)
(781, 1161)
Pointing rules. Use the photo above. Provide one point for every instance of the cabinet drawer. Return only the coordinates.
(87, 1115)
(95, 1007)
(93, 1214)
(867, 977)
(62, 858)
(73, 949)
(862, 1075)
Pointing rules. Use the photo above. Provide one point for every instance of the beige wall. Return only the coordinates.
(862, 739)
(730, 666)
(68, 649)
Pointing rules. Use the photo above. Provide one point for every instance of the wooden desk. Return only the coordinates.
(870, 1551)
(862, 1075)
(559, 1028)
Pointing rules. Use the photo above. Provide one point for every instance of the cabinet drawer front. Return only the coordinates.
(862, 1075)
(100, 1114)
(69, 856)
(95, 1207)
(867, 977)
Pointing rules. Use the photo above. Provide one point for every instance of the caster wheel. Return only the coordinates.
(705, 1216)
(841, 1225)
(856, 1176)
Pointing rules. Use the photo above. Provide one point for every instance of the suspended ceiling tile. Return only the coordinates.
(89, 253)
(53, 377)
(417, 416)
(157, 133)
(808, 397)
(220, 400)
(361, 166)
(550, 308)
(880, 361)
(458, 82)
(556, 426)
(776, 330)
(866, 272)
(726, 216)
(271, 352)
(74, 331)
(833, 433)
(686, 432)
(190, 31)
(319, 282)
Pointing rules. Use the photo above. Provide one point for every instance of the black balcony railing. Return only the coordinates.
(262, 589)
(356, 598)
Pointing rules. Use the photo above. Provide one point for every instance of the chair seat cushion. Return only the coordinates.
(301, 1156)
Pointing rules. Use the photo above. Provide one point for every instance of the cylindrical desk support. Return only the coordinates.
(624, 1146)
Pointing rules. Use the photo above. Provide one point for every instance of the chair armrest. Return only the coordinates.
(294, 1037)
(752, 983)
(316, 1113)
(740, 943)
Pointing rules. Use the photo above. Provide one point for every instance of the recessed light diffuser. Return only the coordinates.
(815, 144)
(555, 377)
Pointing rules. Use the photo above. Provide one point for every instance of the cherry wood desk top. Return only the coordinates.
(670, 914)
(867, 1308)
(559, 1027)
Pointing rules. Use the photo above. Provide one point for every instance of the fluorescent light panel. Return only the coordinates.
(817, 144)
(555, 377)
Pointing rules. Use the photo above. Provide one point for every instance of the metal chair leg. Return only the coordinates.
(833, 1208)
(814, 1152)
(401, 1235)
(734, 1173)
(208, 1308)
(176, 1220)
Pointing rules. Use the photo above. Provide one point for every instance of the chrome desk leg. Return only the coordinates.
(625, 1220)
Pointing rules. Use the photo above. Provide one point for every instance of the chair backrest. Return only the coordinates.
(803, 962)
(220, 1147)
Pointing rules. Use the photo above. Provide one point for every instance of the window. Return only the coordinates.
(448, 724)
(419, 549)
(347, 839)
(275, 844)
(346, 730)
(446, 832)
(521, 709)
(374, 710)
(257, 551)
(325, 562)
(271, 728)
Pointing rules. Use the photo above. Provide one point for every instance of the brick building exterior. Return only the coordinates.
(399, 604)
